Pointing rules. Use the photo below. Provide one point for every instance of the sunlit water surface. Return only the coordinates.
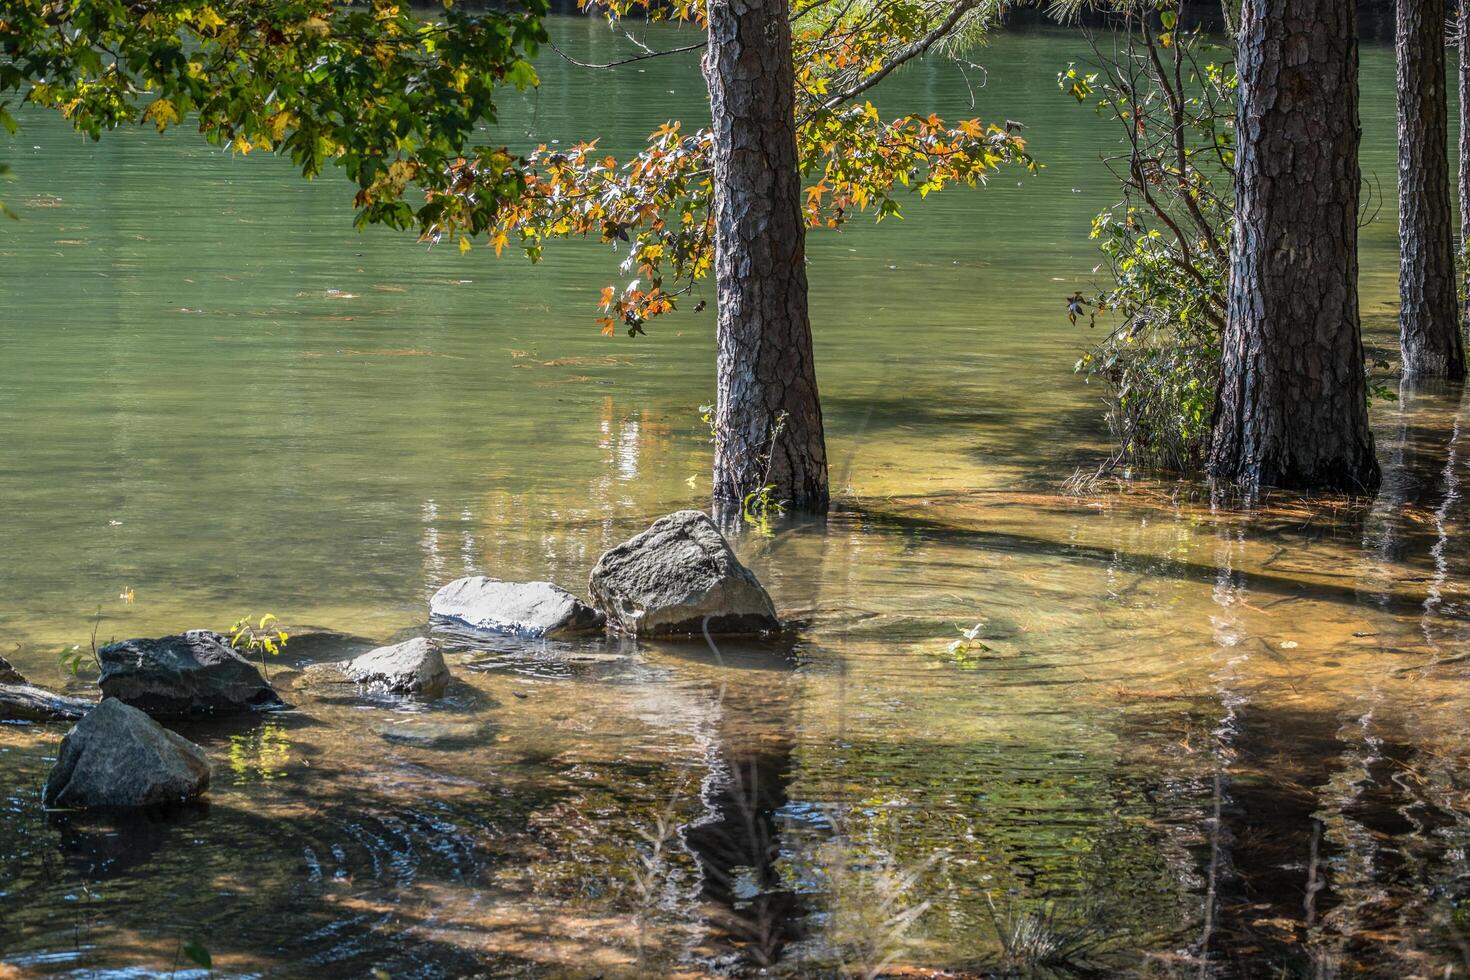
(1195, 741)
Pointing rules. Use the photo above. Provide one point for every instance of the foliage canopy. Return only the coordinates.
(389, 96)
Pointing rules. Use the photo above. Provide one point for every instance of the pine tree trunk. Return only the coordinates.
(1292, 409)
(768, 421)
(1462, 24)
(1429, 322)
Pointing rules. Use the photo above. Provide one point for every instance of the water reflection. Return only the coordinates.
(736, 840)
(1186, 741)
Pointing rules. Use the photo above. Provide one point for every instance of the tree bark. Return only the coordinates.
(1462, 32)
(768, 420)
(1429, 321)
(1292, 409)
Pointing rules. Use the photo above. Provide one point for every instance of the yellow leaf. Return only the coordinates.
(278, 124)
(161, 113)
(464, 244)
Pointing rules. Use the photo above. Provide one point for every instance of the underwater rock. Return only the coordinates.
(117, 756)
(413, 667)
(680, 577)
(191, 675)
(533, 610)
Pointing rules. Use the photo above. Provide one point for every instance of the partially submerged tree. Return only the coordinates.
(394, 99)
(729, 200)
(768, 419)
(1429, 320)
(1462, 35)
(1292, 408)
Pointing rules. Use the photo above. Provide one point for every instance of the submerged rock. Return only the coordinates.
(117, 756)
(412, 667)
(186, 676)
(25, 702)
(534, 610)
(8, 674)
(677, 576)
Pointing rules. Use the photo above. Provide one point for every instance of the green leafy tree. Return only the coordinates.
(389, 96)
(1171, 91)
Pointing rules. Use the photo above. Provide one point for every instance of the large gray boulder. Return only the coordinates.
(675, 578)
(117, 756)
(533, 610)
(194, 674)
(413, 667)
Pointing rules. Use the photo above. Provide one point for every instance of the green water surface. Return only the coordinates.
(1194, 741)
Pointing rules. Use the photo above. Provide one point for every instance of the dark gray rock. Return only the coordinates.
(194, 674)
(677, 576)
(412, 667)
(8, 674)
(24, 702)
(534, 610)
(117, 756)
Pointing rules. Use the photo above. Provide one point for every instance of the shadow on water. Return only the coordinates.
(1320, 842)
(737, 841)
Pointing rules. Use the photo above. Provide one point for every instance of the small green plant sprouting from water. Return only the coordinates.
(262, 638)
(759, 506)
(969, 650)
(73, 657)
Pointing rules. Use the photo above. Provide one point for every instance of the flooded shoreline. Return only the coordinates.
(1012, 731)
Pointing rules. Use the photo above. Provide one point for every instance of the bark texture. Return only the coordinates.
(1429, 321)
(1462, 32)
(1292, 408)
(768, 422)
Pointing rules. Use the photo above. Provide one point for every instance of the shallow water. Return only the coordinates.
(1196, 741)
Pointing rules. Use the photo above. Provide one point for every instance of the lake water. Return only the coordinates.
(1202, 742)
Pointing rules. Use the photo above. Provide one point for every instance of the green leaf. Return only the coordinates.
(522, 76)
(196, 953)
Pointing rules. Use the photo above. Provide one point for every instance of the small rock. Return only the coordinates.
(677, 576)
(117, 756)
(190, 675)
(8, 674)
(412, 667)
(534, 610)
